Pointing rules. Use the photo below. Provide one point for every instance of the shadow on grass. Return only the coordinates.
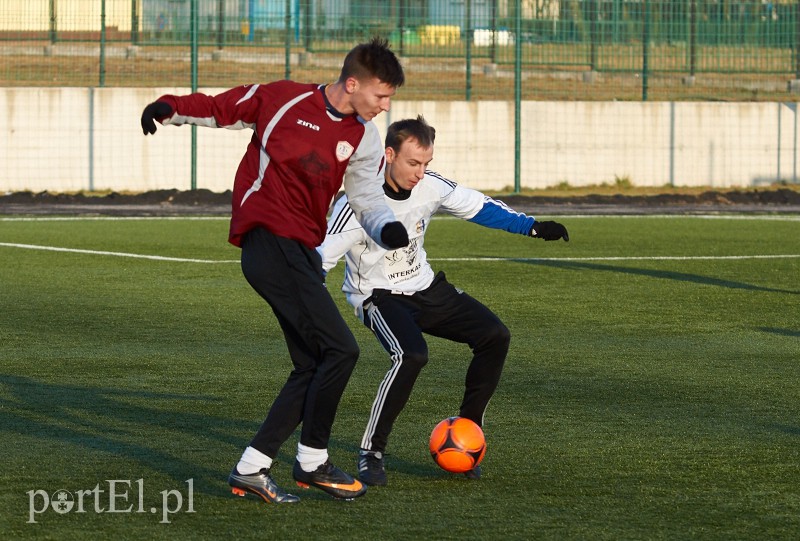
(148, 428)
(418, 470)
(666, 275)
(782, 332)
(689, 410)
(787, 429)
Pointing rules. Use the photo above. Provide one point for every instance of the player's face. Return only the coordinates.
(370, 97)
(404, 169)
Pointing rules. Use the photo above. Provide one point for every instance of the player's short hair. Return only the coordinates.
(373, 59)
(416, 128)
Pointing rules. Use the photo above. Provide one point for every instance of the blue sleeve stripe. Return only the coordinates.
(497, 215)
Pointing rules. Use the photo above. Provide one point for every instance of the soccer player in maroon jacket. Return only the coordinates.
(307, 140)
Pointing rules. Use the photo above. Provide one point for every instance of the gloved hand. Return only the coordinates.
(549, 231)
(156, 110)
(394, 235)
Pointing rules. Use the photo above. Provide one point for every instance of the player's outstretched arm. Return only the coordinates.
(158, 110)
(497, 215)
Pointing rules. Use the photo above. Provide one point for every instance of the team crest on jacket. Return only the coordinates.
(343, 150)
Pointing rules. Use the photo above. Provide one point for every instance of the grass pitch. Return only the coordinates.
(651, 390)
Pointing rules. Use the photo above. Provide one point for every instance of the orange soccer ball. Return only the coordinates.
(457, 444)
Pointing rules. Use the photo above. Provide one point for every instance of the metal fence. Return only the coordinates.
(524, 93)
(455, 49)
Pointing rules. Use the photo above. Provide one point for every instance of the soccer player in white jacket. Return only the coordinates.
(399, 297)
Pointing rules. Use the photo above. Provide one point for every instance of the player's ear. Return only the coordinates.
(351, 85)
(390, 154)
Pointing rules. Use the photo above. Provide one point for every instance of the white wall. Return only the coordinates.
(71, 15)
(47, 136)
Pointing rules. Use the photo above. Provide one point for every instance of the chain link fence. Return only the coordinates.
(468, 49)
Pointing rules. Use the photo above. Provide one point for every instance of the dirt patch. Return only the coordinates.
(205, 202)
(153, 203)
(780, 200)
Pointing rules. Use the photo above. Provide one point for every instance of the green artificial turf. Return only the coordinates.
(651, 390)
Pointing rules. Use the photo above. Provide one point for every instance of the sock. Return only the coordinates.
(309, 458)
(253, 461)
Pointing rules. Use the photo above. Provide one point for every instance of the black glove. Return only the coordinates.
(394, 235)
(549, 231)
(156, 110)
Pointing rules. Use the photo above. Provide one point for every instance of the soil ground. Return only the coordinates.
(769, 200)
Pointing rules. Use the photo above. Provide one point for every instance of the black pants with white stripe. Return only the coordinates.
(399, 322)
(288, 275)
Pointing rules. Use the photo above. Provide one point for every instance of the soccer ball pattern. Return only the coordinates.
(457, 444)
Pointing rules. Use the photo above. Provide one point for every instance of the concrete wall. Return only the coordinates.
(70, 139)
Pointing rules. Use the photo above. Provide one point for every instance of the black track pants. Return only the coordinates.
(323, 350)
(399, 322)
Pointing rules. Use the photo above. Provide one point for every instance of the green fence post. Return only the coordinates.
(134, 22)
(193, 25)
(251, 21)
(468, 32)
(91, 139)
(692, 36)
(493, 43)
(593, 35)
(306, 5)
(287, 41)
(401, 19)
(194, 31)
(51, 7)
(220, 24)
(797, 41)
(645, 48)
(102, 43)
(517, 91)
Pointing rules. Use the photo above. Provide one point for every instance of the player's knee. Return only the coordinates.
(503, 334)
(415, 360)
(497, 336)
(351, 354)
(347, 354)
